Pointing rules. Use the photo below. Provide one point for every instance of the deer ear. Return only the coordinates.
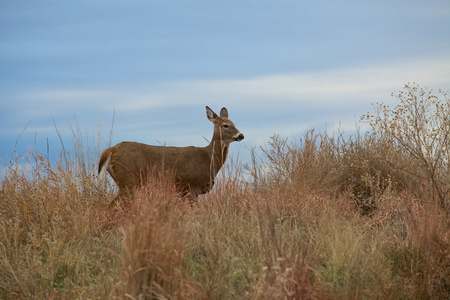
(224, 113)
(211, 115)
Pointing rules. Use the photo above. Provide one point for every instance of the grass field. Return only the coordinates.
(313, 217)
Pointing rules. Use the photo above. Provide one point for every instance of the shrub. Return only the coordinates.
(304, 165)
(419, 127)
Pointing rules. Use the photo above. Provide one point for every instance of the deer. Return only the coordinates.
(194, 168)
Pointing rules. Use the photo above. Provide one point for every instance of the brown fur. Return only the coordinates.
(194, 168)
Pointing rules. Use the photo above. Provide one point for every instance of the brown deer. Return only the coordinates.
(194, 168)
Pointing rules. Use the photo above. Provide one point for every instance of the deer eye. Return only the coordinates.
(226, 126)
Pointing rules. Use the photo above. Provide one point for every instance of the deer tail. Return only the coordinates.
(105, 163)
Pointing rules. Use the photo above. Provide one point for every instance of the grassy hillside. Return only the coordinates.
(313, 217)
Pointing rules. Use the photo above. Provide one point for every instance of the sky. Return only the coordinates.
(145, 70)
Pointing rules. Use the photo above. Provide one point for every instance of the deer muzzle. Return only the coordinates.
(239, 137)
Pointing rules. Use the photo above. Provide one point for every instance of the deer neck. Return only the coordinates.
(218, 151)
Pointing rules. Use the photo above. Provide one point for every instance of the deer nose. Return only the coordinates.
(240, 137)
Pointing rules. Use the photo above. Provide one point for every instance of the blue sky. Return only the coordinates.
(280, 67)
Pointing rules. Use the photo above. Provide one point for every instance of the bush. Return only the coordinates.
(419, 127)
(407, 149)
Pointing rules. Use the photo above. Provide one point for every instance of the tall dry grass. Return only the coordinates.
(321, 218)
(155, 230)
(51, 242)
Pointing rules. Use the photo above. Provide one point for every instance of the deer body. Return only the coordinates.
(194, 168)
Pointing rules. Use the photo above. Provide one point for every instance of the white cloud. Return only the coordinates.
(318, 88)
(334, 98)
(326, 88)
(286, 104)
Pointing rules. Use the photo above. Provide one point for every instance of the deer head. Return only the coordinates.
(224, 129)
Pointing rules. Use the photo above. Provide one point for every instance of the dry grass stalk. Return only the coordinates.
(295, 232)
(155, 234)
